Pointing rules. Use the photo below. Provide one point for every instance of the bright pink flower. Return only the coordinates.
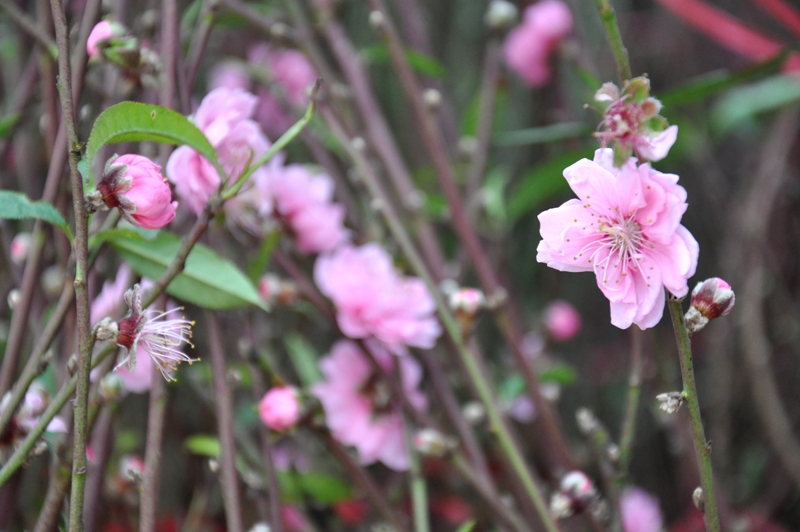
(102, 30)
(304, 201)
(373, 300)
(640, 511)
(135, 185)
(230, 75)
(528, 47)
(221, 110)
(109, 301)
(290, 69)
(562, 321)
(279, 409)
(625, 227)
(293, 520)
(358, 406)
(161, 339)
(273, 119)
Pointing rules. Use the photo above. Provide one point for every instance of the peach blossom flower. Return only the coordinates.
(624, 227)
(279, 409)
(561, 320)
(528, 47)
(358, 405)
(640, 511)
(373, 300)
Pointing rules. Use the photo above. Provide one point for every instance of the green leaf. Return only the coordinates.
(745, 103)
(257, 266)
(110, 234)
(132, 122)
(467, 526)
(540, 135)
(7, 124)
(304, 358)
(208, 280)
(325, 489)
(16, 206)
(563, 374)
(707, 85)
(203, 445)
(542, 183)
(421, 63)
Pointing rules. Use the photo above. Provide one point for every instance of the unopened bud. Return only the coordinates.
(279, 30)
(53, 281)
(111, 387)
(580, 489)
(432, 98)
(561, 506)
(106, 330)
(501, 15)
(467, 300)
(13, 298)
(431, 442)
(274, 290)
(377, 20)
(261, 527)
(474, 412)
(20, 247)
(213, 465)
(670, 402)
(359, 144)
(699, 499)
(587, 421)
(710, 299)
(607, 93)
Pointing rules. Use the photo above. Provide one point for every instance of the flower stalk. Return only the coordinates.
(609, 18)
(701, 445)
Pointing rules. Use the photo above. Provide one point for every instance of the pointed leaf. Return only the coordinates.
(208, 280)
(131, 121)
(17, 206)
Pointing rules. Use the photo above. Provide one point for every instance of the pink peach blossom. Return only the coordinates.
(134, 184)
(230, 75)
(373, 300)
(140, 378)
(304, 201)
(358, 406)
(279, 409)
(102, 30)
(221, 110)
(624, 227)
(640, 511)
(109, 301)
(562, 321)
(528, 47)
(290, 69)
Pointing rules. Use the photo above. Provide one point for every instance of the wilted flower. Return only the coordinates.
(303, 201)
(373, 300)
(161, 339)
(135, 185)
(624, 227)
(640, 511)
(528, 47)
(561, 320)
(576, 493)
(710, 299)
(358, 405)
(279, 409)
(631, 123)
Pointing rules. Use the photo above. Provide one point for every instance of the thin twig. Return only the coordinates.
(199, 41)
(156, 417)
(224, 407)
(632, 401)
(701, 446)
(609, 18)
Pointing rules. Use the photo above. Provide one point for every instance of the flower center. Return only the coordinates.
(379, 394)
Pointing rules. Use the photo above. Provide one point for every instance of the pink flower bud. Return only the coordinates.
(467, 300)
(279, 409)
(102, 31)
(576, 493)
(20, 247)
(562, 321)
(135, 185)
(710, 299)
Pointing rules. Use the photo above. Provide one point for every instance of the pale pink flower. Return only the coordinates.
(28, 414)
(221, 110)
(290, 69)
(561, 320)
(528, 47)
(640, 511)
(358, 406)
(161, 339)
(624, 227)
(273, 118)
(303, 200)
(140, 378)
(20, 247)
(373, 300)
(135, 185)
(230, 75)
(109, 301)
(102, 31)
(279, 409)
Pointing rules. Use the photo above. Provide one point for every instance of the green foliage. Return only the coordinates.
(134, 122)
(542, 183)
(17, 206)
(467, 526)
(544, 134)
(257, 266)
(100, 238)
(304, 358)
(208, 280)
(421, 63)
(745, 103)
(7, 124)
